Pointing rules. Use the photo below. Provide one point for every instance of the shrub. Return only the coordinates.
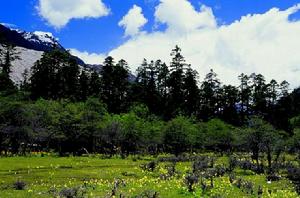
(248, 187)
(75, 192)
(150, 166)
(190, 181)
(200, 164)
(148, 194)
(219, 171)
(116, 186)
(171, 168)
(233, 162)
(239, 183)
(19, 185)
(273, 177)
(294, 176)
(231, 178)
(259, 191)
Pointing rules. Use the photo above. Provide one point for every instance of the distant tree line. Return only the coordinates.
(64, 107)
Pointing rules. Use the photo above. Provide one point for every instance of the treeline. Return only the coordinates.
(165, 108)
(86, 127)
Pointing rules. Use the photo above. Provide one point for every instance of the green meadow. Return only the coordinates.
(94, 176)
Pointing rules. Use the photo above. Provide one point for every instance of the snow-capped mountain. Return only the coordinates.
(39, 41)
(41, 38)
(30, 46)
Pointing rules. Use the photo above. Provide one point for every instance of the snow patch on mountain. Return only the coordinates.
(45, 36)
(39, 37)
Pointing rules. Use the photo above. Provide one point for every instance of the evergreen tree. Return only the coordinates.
(54, 76)
(229, 101)
(210, 96)
(68, 76)
(95, 84)
(284, 88)
(162, 87)
(147, 85)
(245, 93)
(162, 78)
(138, 87)
(175, 82)
(121, 86)
(8, 54)
(191, 92)
(272, 92)
(83, 86)
(114, 89)
(25, 85)
(107, 82)
(259, 94)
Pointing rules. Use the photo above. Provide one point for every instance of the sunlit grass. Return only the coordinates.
(43, 174)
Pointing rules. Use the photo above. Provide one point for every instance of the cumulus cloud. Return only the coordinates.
(182, 17)
(59, 12)
(89, 58)
(133, 21)
(265, 43)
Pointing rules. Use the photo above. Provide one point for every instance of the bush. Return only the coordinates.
(294, 176)
(171, 168)
(219, 171)
(19, 185)
(75, 192)
(233, 162)
(201, 163)
(190, 181)
(150, 166)
(260, 191)
(273, 177)
(232, 178)
(148, 194)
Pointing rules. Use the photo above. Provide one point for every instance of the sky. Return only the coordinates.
(229, 36)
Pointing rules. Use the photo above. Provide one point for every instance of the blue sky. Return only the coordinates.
(103, 34)
(229, 36)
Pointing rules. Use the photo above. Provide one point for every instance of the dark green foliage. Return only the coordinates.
(115, 85)
(149, 166)
(294, 175)
(210, 96)
(201, 164)
(165, 109)
(259, 191)
(220, 136)
(75, 192)
(55, 76)
(178, 135)
(19, 185)
(176, 83)
(8, 54)
(233, 162)
(190, 181)
(148, 194)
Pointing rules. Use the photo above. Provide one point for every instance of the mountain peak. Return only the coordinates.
(38, 40)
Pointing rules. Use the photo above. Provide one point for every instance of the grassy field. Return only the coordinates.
(48, 176)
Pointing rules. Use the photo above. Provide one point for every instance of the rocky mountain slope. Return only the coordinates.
(30, 46)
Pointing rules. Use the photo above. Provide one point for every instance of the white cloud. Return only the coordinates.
(265, 43)
(89, 58)
(182, 17)
(59, 12)
(133, 21)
